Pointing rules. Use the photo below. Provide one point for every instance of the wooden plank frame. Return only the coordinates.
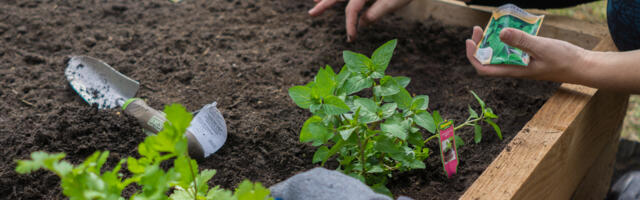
(567, 149)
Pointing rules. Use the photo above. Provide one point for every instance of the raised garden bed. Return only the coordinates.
(568, 148)
(244, 55)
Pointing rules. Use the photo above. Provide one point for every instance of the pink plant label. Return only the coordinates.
(448, 151)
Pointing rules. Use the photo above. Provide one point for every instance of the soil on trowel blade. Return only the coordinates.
(244, 54)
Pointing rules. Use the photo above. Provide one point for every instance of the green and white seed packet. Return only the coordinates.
(491, 50)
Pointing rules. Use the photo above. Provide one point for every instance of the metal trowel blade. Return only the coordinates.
(98, 83)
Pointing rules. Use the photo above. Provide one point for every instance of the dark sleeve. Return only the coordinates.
(540, 4)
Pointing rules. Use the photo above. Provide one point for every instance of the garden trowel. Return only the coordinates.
(98, 83)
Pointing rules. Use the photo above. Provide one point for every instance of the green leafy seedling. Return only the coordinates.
(475, 120)
(88, 181)
(373, 136)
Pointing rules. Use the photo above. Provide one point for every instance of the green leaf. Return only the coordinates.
(334, 149)
(416, 164)
(495, 127)
(186, 171)
(218, 193)
(155, 182)
(376, 75)
(489, 113)
(403, 99)
(478, 133)
(62, 168)
(181, 147)
(482, 105)
(342, 77)
(367, 108)
(436, 118)
(416, 139)
(387, 145)
(420, 102)
(382, 189)
(403, 81)
(100, 161)
(38, 160)
(459, 143)
(146, 151)
(375, 169)
(301, 95)
(325, 81)
(180, 194)
(426, 121)
(356, 62)
(203, 179)
(321, 154)
(346, 133)
(134, 166)
(365, 104)
(179, 117)
(249, 191)
(472, 113)
(356, 84)
(314, 131)
(388, 109)
(316, 109)
(388, 86)
(382, 56)
(397, 129)
(334, 106)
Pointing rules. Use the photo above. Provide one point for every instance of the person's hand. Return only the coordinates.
(551, 59)
(377, 10)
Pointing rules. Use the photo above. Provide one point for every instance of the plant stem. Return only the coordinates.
(469, 122)
(195, 182)
(362, 159)
(390, 168)
(430, 138)
(374, 95)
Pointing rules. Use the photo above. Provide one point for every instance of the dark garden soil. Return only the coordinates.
(244, 54)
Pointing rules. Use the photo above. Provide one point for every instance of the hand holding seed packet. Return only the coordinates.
(491, 50)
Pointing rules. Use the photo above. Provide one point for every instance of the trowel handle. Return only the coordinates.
(151, 119)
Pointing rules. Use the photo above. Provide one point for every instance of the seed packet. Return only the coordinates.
(448, 149)
(491, 50)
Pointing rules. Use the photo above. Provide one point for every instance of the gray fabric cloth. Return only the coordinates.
(627, 187)
(323, 184)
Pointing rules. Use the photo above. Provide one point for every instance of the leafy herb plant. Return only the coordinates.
(371, 136)
(89, 181)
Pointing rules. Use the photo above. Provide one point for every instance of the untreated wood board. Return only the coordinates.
(596, 183)
(511, 169)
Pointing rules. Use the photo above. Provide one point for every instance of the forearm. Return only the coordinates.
(540, 4)
(618, 71)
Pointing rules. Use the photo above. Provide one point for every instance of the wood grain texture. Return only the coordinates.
(597, 181)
